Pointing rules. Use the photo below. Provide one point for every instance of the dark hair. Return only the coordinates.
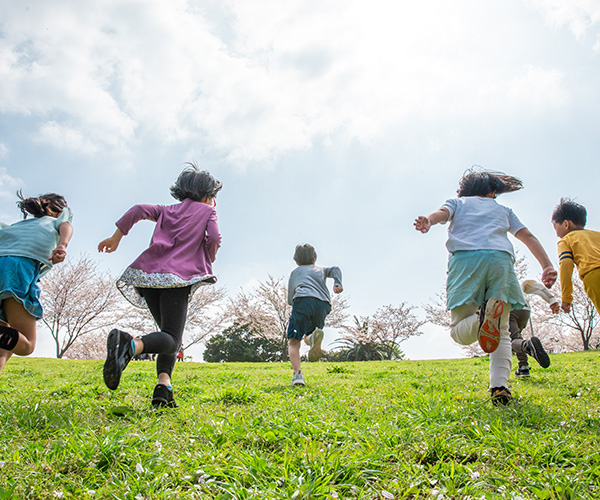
(195, 184)
(480, 182)
(569, 210)
(305, 254)
(45, 204)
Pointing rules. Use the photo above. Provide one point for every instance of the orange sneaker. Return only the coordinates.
(489, 324)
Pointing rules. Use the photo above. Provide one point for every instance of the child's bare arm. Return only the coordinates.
(109, 245)
(65, 231)
(535, 247)
(423, 223)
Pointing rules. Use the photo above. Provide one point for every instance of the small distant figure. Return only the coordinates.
(481, 274)
(180, 355)
(518, 321)
(311, 303)
(577, 247)
(164, 277)
(28, 249)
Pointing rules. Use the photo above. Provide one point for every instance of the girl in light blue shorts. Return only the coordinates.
(481, 275)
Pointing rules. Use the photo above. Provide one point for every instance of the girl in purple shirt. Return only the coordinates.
(164, 277)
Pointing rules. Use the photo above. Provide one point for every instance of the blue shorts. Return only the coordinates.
(477, 275)
(18, 280)
(308, 313)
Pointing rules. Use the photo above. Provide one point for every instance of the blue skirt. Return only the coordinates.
(18, 280)
(477, 275)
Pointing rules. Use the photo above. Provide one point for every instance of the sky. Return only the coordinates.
(332, 122)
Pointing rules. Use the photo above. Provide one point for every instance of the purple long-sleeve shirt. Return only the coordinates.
(185, 240)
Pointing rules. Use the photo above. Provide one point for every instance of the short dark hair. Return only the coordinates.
(480, 182)
(569, 210)
(195, 184)
(42, 205)
(305, 254)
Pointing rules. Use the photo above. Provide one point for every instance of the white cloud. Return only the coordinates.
(578, 15)
(254, 79)
(4, 150)
(8, 186)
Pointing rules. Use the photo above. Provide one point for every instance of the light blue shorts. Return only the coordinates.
(477, 275)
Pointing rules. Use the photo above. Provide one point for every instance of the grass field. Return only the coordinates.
(378, 430)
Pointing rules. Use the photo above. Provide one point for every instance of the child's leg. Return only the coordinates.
(19, 318)
(169, 310)
(464, 324)
(591, 283)
(294, 353)
(501, 358)
(517, 322)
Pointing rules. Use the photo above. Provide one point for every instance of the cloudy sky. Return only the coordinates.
(330, 122)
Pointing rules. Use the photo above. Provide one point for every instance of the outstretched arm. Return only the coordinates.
(423, 223)
(65, 231)
(535, 247)
(109, 245)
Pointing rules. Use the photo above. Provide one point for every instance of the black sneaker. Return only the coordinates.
(163, 397)
(8, 338)
(536, 350)
(501, 396)
(119, 352)
(522, 371)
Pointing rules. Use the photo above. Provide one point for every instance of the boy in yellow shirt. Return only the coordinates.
(577, 247)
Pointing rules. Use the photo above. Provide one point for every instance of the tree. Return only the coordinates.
(582, 321)
(77, 300)
(266, 311)
(240, 343)
(380, 335)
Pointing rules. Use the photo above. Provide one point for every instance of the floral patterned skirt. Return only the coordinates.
(132, 279)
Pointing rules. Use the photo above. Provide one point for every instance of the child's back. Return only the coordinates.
(310, 281)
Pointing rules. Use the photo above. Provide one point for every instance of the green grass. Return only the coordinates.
(404, 429)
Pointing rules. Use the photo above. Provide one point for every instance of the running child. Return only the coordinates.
(517, 322)
(577, 247)
(164, 277)
(481, 273)
(28, 249)
(311, 303)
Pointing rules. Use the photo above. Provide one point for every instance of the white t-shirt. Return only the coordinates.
(478, 223)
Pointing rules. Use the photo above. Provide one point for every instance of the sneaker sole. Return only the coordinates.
(539, 353)
(521, 375)
(111, 374)
(316, 352)
(489, 334)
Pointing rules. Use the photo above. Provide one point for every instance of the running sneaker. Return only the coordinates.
(532, 287)
(9, 337)
(536, 350)
(522, 371)
(501, 396)
(315, 352)
(119, 352)
(298, 379)
(163, 397)
(489, 324)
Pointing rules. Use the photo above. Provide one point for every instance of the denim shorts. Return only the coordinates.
(308, 313)
(18, 280)
(475, 276)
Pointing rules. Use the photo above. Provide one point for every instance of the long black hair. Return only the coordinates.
(45, 204)
(480, 182)
(195, 184)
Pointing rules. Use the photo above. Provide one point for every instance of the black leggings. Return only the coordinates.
(169, 309)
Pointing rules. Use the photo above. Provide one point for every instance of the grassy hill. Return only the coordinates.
(379, 430)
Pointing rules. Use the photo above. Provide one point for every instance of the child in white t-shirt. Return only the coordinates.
(481, 273)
